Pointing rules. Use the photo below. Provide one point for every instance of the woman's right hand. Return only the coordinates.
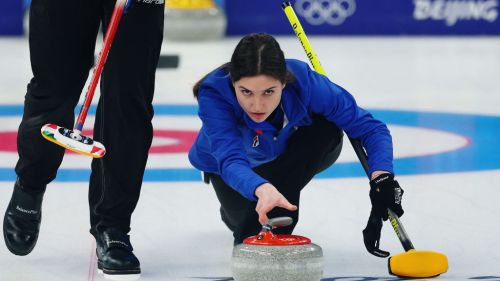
(269, 198)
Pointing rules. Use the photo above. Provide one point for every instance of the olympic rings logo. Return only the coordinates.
(333, 12)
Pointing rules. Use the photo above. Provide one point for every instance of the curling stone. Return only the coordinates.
(194, 20)
(276, 257)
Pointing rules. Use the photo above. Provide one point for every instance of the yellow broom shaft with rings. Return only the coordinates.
(412, 263)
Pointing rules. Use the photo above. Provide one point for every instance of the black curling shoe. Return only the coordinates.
(114, 256)
(21, 223)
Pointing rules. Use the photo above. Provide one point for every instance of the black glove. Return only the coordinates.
(385, 193)
(371, 236)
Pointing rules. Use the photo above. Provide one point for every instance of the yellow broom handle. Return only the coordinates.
(356, 144)
(299, 31)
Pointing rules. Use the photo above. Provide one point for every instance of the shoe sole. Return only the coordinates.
(120, 275)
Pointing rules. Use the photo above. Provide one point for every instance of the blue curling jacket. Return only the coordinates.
(224, 143)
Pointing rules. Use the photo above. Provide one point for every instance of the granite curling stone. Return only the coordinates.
(194, 20)
(276, 257)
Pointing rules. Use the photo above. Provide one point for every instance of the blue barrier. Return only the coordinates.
(368, 17)
(340, 17)
(11, 17)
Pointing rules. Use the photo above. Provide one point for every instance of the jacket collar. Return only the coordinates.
(292, 105)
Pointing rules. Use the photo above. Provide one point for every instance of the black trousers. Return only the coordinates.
(62, 42)
(311, 149)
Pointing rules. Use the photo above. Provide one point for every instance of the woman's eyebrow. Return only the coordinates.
(270, 88)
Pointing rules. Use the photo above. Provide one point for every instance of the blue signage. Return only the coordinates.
(368, 17)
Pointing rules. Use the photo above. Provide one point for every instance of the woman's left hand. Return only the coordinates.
(385, 193)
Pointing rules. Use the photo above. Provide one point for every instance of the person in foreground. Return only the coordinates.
(62, 38)
(269, 125)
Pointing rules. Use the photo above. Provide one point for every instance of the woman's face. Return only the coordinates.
(258, 95)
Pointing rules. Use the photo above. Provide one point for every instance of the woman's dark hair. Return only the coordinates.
(255, 54)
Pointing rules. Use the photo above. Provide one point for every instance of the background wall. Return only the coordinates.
(11, 17)
(342, 17)
(368, 17)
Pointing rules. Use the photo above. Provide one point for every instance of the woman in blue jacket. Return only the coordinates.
(269, 125)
